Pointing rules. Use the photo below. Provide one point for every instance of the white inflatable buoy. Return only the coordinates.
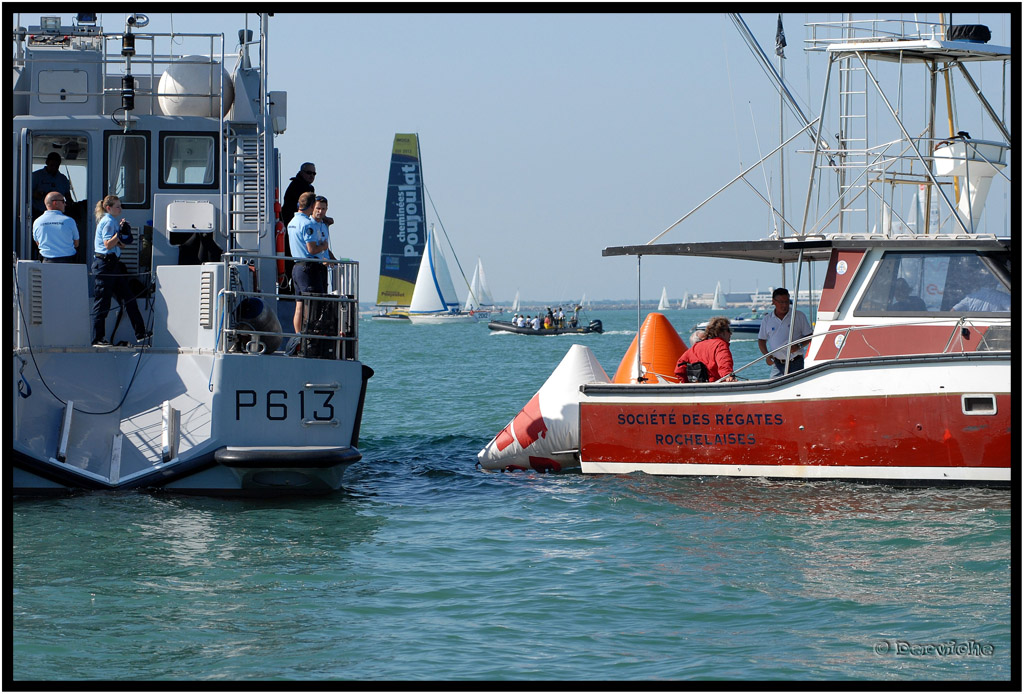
(545, 436)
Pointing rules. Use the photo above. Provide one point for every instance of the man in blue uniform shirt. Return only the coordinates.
(47, 180)
(307, 242)
(55, 233)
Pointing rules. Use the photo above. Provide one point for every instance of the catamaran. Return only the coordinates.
(208, 403)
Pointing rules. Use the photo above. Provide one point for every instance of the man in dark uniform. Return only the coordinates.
(45, 181)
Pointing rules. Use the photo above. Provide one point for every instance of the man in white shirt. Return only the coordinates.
(774, 334)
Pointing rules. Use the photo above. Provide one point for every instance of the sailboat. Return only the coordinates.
(718, 303)
(685, 303)
(403, 240)
(434, 299)
(480, 303)
(515, 303)
(663, 304)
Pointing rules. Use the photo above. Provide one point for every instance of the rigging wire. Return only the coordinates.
(445, 231)
(767, 185)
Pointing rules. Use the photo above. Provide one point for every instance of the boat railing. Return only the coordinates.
(238, 333)
(142, 55)
(956, 336)
(825, 34)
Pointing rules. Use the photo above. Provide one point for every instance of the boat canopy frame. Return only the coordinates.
(782, 251)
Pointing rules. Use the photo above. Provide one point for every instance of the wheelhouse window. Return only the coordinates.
(188, 160)
(938, 283)
(126, 168)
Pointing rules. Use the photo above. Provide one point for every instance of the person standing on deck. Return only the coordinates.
(774, 335)
(47, 180)
(55, 233)
(307, 275)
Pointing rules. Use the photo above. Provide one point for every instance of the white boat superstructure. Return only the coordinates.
(211, 403)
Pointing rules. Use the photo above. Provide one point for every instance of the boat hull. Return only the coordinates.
(440, 318)
(186, 421)
(905, 420)
(506, 326)
(738, 325)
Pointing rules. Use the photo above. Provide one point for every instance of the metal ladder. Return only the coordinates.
(853, 140)
(246, 178)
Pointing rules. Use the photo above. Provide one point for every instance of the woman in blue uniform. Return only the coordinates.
(111, 274)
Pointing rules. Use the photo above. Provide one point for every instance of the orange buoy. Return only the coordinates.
(660, 348)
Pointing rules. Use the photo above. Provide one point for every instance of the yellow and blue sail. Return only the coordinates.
(405, 230)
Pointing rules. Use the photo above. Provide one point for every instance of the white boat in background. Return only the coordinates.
(480, 302)
(685, 303)
(718, 303)
(434, 299)
(909, 369)
(209, 402)
(515, 303)
(663, 304)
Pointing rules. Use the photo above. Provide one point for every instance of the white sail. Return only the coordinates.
(473, 299)
(663, 304)
(685, 303)
(515, 302)
(483, 292)
(718, 303)
(434, 292)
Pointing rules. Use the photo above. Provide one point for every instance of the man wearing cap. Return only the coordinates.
(54, 232)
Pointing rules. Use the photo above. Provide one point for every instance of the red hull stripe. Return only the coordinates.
(903, 432)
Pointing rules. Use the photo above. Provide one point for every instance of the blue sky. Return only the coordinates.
(545, 137)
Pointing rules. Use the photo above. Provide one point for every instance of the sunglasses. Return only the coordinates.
(310, 173)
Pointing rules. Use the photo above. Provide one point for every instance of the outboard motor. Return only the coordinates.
(256, 315)
(595, 326)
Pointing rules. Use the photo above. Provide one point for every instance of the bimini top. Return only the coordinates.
(814, 248)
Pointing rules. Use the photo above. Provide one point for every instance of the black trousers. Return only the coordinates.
(112, 281)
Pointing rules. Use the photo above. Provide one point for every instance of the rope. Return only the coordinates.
(31, 353)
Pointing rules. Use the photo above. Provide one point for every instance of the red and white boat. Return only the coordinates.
(904, 391)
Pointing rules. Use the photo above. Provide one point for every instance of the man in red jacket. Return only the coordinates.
(713, 350)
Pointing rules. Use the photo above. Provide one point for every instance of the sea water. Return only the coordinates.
(426, 568)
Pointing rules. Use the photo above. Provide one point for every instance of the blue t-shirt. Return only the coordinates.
(55, 233)
(322, 234)
(107, 227)
(302, 230)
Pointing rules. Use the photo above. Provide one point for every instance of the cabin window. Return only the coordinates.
(937, 283)
(188, 160)
(126, 170)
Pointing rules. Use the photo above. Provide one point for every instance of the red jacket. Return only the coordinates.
(715, 354)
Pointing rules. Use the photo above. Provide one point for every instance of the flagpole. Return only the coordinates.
(780, 45)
